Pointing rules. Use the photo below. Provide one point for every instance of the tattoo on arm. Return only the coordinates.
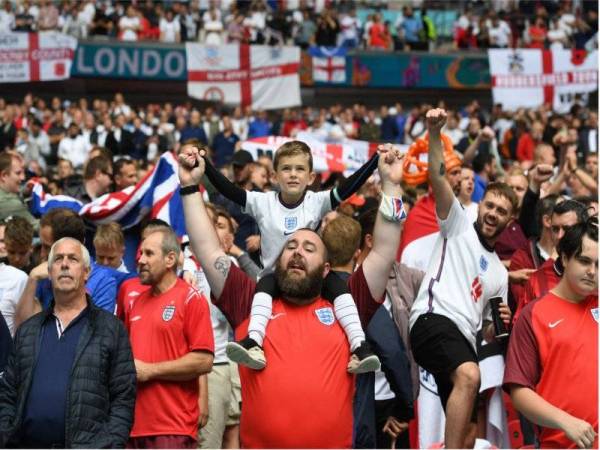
(222, 264)
(442, 169)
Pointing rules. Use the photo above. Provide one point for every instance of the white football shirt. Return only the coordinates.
(12, 285)
(461, 277)
(277, 222)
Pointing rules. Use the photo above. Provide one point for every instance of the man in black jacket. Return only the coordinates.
(70, 380)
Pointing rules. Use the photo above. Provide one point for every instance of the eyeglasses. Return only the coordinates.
(556, 228)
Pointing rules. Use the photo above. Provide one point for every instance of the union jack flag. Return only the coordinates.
(157, 195)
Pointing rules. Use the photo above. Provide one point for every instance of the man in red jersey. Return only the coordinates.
(564, 215)
(171, 338)
(303, 398)
(552, 361)
(131, 288)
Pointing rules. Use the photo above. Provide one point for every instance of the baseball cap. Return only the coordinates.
(241, 158)
(355, 200)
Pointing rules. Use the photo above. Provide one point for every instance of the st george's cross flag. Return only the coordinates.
(45, 56)
(528, 78)
(261, 76)
(329, 64)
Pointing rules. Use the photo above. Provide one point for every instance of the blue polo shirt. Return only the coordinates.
(46, 406)
(478, 189)
(102, 285)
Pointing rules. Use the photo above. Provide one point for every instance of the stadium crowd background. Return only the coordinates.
(374, 25)
(58, 137)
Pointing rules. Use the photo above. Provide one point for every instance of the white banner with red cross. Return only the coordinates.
(345, 157)
(45, 56)
(531, 77)
(262, 76)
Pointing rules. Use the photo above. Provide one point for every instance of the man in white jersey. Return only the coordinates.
(463, 274)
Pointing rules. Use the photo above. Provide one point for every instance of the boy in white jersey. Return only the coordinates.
(464, 273)
(279, 215)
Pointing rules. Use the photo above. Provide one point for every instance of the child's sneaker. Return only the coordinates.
(363, 360)
(247, 353)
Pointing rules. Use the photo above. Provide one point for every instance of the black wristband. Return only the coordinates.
(189, 190)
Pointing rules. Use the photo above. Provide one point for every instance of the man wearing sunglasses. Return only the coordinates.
(565, 215)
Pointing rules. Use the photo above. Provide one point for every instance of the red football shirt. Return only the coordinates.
(538, 285)
(129, 291)
(164, 328)
(553, 350)
(303, 398)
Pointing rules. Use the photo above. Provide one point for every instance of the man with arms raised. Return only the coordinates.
(306, 347)
(464, 273)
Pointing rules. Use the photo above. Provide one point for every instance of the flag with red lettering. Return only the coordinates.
(346, 157)
(262, 76)
(43, 56)
(329, 64)
(532, 77)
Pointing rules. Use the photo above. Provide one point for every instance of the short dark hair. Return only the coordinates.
(545, 207)
(481, 160)
(156, 222)
(571, 205)
(19, 231)
(120, 163)
(503, 190)
(98, 163)
(68, 223)
(222, 212)
(571, 244)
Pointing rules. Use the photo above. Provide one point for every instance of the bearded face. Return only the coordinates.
(296, 282)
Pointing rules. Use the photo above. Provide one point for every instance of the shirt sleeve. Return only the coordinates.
(104, 293)
(457, 221)
(198, 327)
(523, 366)
(365, 303)
(235, 301)
(323, 200)
(254, 203)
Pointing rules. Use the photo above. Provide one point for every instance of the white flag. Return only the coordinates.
(258, 75)
(45, 56)
(531, 77)
(329, 69)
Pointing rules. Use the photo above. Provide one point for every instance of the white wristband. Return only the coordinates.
(392, 208)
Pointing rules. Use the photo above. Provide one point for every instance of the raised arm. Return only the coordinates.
(354, 182)
(203, 237)
(436, 118)
(223, 185)
(387, 230)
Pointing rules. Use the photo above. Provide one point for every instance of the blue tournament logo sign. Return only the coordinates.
(168, 313)
(483, 264)
(325, 316)
(595, 314)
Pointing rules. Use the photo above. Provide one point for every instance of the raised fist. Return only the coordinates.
(435, 120)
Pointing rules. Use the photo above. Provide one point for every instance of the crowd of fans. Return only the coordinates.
(494, 24)
(53, 135)
(86, 147)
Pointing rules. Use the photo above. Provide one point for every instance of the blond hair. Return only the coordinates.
(109, 235)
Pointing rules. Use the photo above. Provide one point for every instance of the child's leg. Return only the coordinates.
(248, 351)
(262, 307)
(336, 290)
(362, 359)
